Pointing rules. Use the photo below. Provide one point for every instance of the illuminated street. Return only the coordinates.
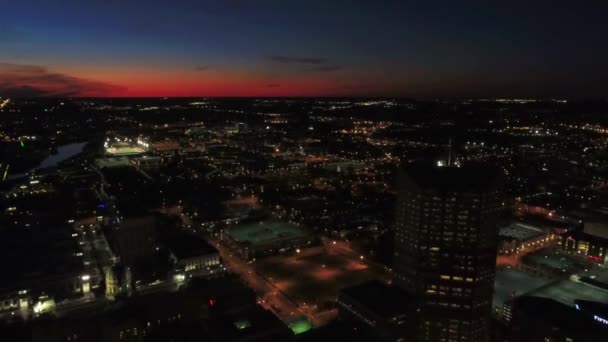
(4, 103)
(269, 297)
(305, 283)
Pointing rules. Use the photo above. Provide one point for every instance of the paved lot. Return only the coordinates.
(314, 277)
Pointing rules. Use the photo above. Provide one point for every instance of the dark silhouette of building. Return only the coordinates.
(537, 319)
(134, 239)
(445, 248)
(386, 311)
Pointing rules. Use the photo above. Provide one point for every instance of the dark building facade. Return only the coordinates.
(537, 319)
(446, 237)
(387, 311)
(134, 239)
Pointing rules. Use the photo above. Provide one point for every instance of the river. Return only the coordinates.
(64, 152)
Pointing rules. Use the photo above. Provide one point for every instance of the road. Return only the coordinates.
(514, 259)
(269, 297)
(4, 103)
(272, 298)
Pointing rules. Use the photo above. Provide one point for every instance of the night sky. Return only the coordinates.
(303, 48)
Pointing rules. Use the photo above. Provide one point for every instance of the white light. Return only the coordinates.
(600, 319)
(86, 277)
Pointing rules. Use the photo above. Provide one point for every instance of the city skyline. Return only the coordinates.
(303, 170)
(302, 49)
(262, 219)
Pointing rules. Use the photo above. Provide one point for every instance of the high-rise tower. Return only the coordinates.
(445, 248)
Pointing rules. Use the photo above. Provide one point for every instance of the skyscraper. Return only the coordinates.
(445, 248)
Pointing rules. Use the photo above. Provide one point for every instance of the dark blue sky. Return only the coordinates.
(408, 48)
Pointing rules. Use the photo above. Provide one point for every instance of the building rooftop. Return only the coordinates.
(569, 291)
(554, 261)
(165, 146)
(578, 235)
(382, 299)
(255, 323)
(597, 227)
(510, 282)
(112, 162)
(520, 231)
(337, 330)
(567, 317)
(266, 232)
(470, 178)
(186, 246)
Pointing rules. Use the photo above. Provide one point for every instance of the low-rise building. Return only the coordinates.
(388, 311)
(266, 238)
(519, 237)
(590, 241)
(193, 255)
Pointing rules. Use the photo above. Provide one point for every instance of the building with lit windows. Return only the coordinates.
(446, 235)
(589, 242)
(520, 238)
(193, 255)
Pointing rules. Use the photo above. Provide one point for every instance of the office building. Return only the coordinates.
(446, 238)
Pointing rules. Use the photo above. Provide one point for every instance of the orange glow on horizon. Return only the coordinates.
(122, 81)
